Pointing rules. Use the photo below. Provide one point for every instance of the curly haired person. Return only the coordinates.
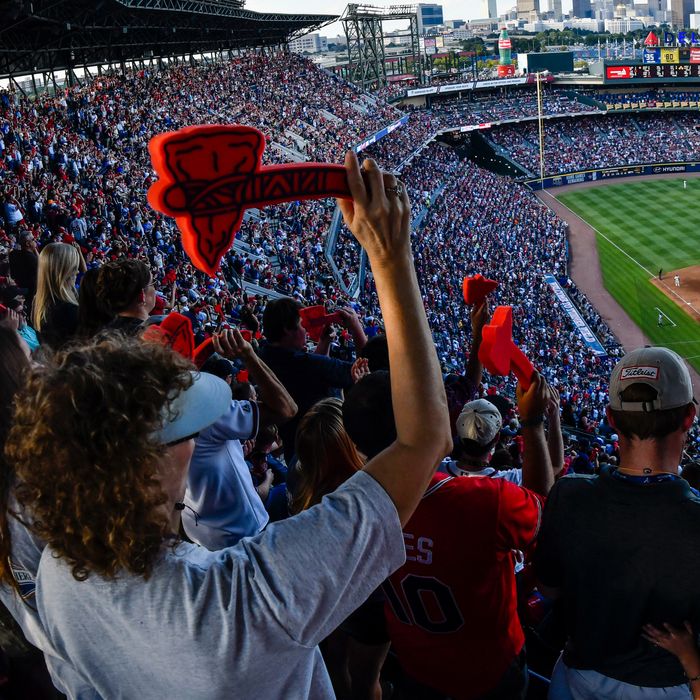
(101, 445)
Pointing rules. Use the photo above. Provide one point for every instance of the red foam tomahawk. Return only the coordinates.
(476, 288)
(209, 175)
(175, 331)
(499, 354)
(315, 319)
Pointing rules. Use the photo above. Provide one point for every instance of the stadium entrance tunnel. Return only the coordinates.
(481, 151)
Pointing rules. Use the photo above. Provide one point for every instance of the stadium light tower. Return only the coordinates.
(363, 25)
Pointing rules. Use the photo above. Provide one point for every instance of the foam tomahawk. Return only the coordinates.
(175, 331)
(314, 319)
(209, 175)
(476, 288)
(499, 354)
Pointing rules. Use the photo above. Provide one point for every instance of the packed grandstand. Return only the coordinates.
(75, 169)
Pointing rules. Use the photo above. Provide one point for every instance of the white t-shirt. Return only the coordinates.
(219, 485)
(243, 622)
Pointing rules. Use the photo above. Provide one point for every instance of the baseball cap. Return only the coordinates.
(657, 367)
(195, 408)
(479, 421)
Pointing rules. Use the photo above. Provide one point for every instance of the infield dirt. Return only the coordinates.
(687, 296)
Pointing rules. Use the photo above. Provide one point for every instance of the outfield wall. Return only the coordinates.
(610, 173)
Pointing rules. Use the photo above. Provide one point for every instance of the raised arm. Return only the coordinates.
(276, 405)
(351, 322)
(474, 369)
(537, 467)
(380, 221)
(555, 440)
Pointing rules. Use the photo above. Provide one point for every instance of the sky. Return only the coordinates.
(452, 9)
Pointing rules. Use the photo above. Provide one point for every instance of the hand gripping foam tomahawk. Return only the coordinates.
(499, 354)
(209, 175)
(476, 288)
(315, 319)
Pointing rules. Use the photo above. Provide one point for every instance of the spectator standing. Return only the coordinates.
(126, 290)
(16, 302)
(24, 265)
(248, 617)
(56, 304)
(20, 552)
(620, 548)
(308, 376)
(354, 652)
(467, 641)
(221, 503)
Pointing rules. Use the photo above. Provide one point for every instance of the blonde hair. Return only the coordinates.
(327, 456)
(58, 266)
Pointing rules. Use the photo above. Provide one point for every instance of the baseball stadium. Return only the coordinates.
(358, 366)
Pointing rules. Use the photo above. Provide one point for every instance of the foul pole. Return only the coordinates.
(540, 122)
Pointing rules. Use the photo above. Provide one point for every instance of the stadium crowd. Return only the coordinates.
(168, 532)
(511, 105)
(598, 142)
(643, 99)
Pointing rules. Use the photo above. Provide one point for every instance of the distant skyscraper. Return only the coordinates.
(680, 12)
(527, 7)
(555, 7)
(581, 8)
(490, 9)
(429, 17)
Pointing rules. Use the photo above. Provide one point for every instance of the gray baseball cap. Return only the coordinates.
(480, 421)
(659, 368)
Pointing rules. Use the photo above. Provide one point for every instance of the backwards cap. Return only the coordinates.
(479, 421)
(659, 368)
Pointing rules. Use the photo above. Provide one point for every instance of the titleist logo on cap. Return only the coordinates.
(639, 373)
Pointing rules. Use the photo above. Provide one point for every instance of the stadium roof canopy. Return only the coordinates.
(46, 35)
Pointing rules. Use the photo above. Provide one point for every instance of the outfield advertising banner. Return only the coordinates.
(455, 87)
(609, 173)
(500, 82)
(459, 87)
(589, 337)
(623, 171)
(417, 92)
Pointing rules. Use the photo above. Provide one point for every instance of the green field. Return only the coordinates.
(652, 224)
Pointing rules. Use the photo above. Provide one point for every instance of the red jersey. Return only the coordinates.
(452, 608)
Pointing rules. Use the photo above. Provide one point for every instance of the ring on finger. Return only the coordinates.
(398, 190)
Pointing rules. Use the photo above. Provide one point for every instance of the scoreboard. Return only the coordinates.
(652, 71)
(665, 57)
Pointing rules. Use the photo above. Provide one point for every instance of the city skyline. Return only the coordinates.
(453, 9)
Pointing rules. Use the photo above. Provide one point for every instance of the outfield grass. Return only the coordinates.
(654, 223)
